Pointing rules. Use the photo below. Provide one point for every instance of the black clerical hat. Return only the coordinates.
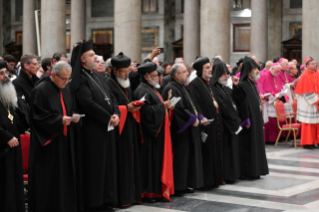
(219, 68)
(77, 52)
(3, 64)
(198, 65)
(121, 61)
(240, 61)
(248, 64)
(147, 68)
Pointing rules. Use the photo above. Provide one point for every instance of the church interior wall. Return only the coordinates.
(290, 17)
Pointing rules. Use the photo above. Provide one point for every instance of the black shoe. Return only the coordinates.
(148, 200)
(189, 191)
(179, 193)
(308, 147)
(162, 199)
(243, 177)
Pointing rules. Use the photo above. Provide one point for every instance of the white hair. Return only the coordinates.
(100, 58)
(177, 60)
(283, 61)
(155, 58)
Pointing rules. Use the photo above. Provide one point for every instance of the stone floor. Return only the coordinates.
(292, 185)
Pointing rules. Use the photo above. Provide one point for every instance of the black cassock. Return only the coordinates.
(11, 174)
(226, 99)
(151, 150)
(96, 148)
(252, 146)
(201, 94)
(187, 163)
(127, 149)
(51, 157)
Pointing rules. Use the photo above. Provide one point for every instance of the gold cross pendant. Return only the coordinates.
(10, 117)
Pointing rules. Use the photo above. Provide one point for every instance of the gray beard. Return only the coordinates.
(8, 94)
(255, 76)
(222, 82)
(155, 84)
(125, 83)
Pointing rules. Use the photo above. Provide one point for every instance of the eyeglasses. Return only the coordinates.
(64, 79)
(3, 73)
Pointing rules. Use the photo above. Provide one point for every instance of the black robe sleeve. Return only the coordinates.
(5, 136)
(47, 123)
(243, 109)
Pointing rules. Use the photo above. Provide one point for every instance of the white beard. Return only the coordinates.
(155, 84)
(8, 94)
(125, 83)
(255, 76)
(222, 82)
(208, 76)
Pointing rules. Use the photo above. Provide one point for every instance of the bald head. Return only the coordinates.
(268, 65)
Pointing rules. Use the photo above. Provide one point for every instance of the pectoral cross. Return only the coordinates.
(10, 116)
(108, 100)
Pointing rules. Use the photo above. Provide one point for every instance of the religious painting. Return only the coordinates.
(149, 39)
(102, 36)
(241, 37)
(296, 29)
(19, 37)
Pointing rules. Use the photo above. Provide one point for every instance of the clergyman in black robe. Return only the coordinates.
(186, 136)
(96, 149)
(205, 100)
(226, 99)
(11, 175)
(155, 151)
(127, 144)
(52, 161)
(251, 140)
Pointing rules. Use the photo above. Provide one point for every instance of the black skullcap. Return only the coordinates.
(198, 65)
(160, 70)
(121, 61)
(219, 68)
(241, 60)
(248, 65)
(3, 64)
(147, 68)
(77, 52)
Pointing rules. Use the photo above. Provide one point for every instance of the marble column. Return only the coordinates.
(259, 29)
(29, 30)
(191, 31)
(215, 29)
(53, 27)
(78, 21)
(127, 28)
(169, 29)
(310, 29)
(274, 29)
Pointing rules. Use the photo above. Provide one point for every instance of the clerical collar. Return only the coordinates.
(88, 71)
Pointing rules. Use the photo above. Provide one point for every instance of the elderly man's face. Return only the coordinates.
(98, 67)
(268, 66)
(89, 59)
(3, 74)
(122, 73)
(295, 62)
(223, 79)
(275, 71)
(207, 71)
(62, 79)
(181, 61)
(182, 75)
(284, 65)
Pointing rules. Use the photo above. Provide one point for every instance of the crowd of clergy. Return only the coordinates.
(108, 134)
